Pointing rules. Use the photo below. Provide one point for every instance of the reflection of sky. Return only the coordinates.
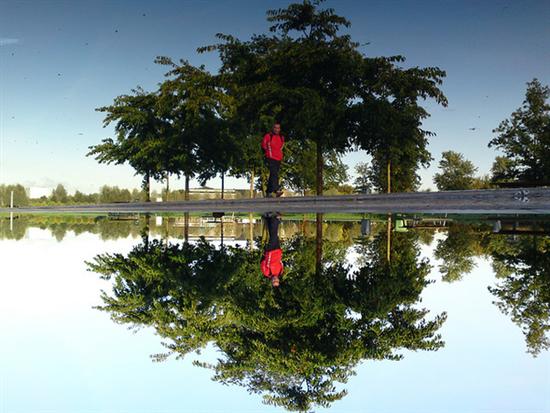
(71, 358)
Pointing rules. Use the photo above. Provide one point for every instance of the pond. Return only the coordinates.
(178, 313)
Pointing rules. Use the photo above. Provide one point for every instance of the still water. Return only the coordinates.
(179, 314)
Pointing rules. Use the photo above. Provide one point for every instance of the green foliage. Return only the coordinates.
(362, 183)
(524, 291)
(482, 182)
(81, 198)
(59, 194)
(503, 170)
(388, 119)
(109, 194)
(525, 139)
(305, 74)
(20, 197)
(196, 111)
(457, 251)
(140, 136)
(456, 172)
(299, 171)
(290, 344)
(326, 94)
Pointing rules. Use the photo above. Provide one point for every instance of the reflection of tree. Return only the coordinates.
(522, 263)
(14, 230)
(290, 344)
(524, 290)
(457, 251)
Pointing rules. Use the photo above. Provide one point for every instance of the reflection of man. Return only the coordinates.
(272, 264)
(272, 144)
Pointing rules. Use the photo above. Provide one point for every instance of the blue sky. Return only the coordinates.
(59, 60)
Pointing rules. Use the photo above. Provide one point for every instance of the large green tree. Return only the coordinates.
(140, 137)
(525, 138)
(387, 119)
(198, 112)
(303, 74)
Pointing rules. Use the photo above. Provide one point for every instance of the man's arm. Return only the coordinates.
(264, 141)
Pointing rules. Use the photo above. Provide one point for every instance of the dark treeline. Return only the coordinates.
(114, 194)
(60, 196)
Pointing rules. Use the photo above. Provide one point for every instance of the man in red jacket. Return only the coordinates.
(272, 144)
(272, 264)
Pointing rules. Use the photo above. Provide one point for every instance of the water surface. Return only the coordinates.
(378, 313)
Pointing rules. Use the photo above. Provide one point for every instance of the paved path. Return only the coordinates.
(498, 201)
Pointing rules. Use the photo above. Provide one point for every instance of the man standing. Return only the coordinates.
(272, 144)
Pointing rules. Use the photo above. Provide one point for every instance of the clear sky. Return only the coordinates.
(59, 60)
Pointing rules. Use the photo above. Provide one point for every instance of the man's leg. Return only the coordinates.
(268, 188)
(275, 172)
(272, 223)
(273, 181)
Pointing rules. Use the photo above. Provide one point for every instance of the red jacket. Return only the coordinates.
(272, 263)
(273, 146)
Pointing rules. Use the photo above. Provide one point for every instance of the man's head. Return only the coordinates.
(276, 128)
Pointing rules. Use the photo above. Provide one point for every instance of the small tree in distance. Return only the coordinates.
(456, 172)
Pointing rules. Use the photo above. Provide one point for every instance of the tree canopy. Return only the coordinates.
(525, 139)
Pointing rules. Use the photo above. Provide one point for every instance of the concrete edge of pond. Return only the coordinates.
(491, 201)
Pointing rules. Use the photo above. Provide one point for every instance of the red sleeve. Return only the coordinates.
(264, 141)
(283, 140)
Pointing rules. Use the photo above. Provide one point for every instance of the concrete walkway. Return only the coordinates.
(498, 201)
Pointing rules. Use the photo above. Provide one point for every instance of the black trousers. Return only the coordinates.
(273, 243)
(273, 181)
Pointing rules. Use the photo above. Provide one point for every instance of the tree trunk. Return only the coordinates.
(388, 172)
(167, 186)
(186, 226)
(319, 169)
(147, 187)
(186, 188)
(319, 244)
(250, 231)
(252, 192)
(221, 230)
(388, 240)
(223, 183)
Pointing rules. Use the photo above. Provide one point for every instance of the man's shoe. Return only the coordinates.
(279, 193)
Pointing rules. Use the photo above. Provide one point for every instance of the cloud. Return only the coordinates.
(5, 41)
